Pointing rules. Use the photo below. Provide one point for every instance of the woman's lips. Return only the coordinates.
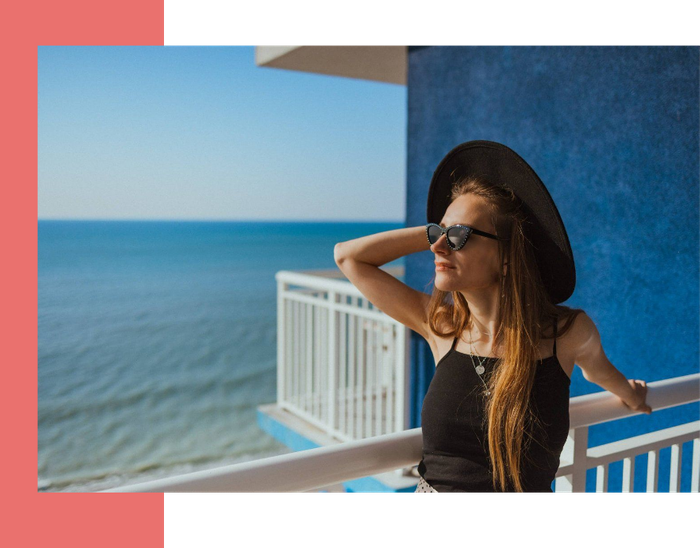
(439, 266)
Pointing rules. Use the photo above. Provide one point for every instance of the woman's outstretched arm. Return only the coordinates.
(597, 368)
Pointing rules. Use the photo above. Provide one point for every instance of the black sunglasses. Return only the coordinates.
(457, 235)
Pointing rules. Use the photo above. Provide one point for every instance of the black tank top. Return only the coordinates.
(455, 443)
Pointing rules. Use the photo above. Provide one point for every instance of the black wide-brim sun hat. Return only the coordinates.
(500, 165)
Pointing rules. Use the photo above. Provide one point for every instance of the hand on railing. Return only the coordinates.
(640, 396)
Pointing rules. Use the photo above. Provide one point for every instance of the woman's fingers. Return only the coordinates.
(641, 388)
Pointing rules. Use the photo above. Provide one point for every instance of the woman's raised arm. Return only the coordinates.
(360, 259)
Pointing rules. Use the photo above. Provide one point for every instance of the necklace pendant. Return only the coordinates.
(480, 369)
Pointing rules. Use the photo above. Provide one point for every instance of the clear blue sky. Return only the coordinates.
(204, 133)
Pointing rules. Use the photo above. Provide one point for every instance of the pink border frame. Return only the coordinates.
(31, 518)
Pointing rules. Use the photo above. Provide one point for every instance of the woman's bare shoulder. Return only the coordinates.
(570, 331)
(440, 344)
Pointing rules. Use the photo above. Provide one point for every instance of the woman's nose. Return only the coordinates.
(440, 244)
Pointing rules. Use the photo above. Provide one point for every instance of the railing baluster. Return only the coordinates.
(402, 388)
(317, 376)
(375, 371)
(391, 359)
(296, 360)
(601, 478)
(379, 372)
(299, 391)
(289, 390)
(361, 378)
(323, 357)
(575, 451)
(323, 366)
(369, 376)
(319, 367)
(352, 359)
(343, 367)
(309, 358)
(383, 390)
(306, 342)
(316, 346)
(332, 361)
(674, 485)
(653, 471)
(290, 332)
(695, 475)
(310, 379)
(282, 338)
(628, 475)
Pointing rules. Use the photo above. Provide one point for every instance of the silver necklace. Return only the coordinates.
(478, 368)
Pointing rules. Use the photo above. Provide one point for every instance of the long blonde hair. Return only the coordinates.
(526, 312)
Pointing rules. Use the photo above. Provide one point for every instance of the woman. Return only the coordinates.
(496, 414)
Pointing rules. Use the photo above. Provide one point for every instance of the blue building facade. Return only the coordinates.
(613, 132)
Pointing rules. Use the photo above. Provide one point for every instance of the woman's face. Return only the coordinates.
(474, 266)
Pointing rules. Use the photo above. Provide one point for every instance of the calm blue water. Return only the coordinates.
(157, 341)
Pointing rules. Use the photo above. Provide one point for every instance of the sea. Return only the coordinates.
(157, 342)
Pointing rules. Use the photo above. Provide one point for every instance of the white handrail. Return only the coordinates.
(327, 280)
(317, 468)
(318, 282)
(604, 407)
(301, 471)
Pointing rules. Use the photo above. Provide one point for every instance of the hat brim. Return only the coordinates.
(501, 165)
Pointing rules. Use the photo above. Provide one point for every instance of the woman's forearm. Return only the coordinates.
(618, 384)
(383, 247)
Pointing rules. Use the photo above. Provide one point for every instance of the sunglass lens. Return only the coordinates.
(457, 235)
(434, 234)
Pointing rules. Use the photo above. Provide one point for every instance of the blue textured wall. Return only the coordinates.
(613, 133)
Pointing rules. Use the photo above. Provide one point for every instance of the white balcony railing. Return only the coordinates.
(577, 458)
(341, 362)
(315, 469)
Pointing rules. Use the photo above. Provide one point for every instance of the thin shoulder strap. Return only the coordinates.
(555, 336)
(454, 343)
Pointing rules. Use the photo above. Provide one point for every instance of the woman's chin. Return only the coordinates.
(443, 286)
(446, 281)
